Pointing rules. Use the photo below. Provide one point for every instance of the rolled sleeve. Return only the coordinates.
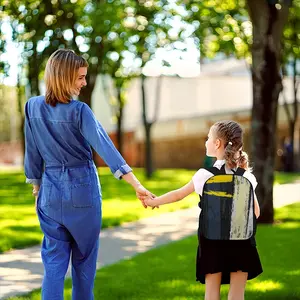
(33, 162)
(97, 137)
(122, 171)
(34, 181)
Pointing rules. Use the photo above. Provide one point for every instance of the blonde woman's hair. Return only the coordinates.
(231, 133)
(60, 75)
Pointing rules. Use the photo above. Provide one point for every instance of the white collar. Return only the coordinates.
(219, 163)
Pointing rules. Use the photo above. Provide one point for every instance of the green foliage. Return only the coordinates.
(106, 33)
(291, 45)
(168, 272)
(221, 26)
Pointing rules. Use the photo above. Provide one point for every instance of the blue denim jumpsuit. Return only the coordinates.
(58, 157)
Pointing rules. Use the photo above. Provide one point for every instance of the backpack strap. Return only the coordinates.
(222, 170)
(213, 170)
(216, 171)
(239, 171)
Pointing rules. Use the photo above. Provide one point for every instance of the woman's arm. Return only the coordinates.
(33, 162)
(172, 196)
(98, 138)
(132, 180)
(141, 192)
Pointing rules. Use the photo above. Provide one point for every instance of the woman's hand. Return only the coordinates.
(36, 198)
(35, 193)
(143, 194)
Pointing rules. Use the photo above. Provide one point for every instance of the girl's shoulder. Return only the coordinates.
(203, 174)
(250, 176)
(199, 179)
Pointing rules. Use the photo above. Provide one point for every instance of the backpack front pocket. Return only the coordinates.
(81, 195)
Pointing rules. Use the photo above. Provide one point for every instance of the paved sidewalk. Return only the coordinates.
(21, 270)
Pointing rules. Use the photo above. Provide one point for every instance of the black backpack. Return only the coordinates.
(227, 205)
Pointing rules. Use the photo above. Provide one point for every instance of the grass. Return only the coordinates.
(168, 272)
(282, 178)
(19, 225)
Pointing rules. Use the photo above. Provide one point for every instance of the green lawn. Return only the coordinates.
(19, 225)
(282, 178)
(168, 272)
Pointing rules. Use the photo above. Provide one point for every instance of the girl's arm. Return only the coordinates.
(172, 196)
(256, 207)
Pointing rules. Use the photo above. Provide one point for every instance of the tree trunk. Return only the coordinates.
(21, 114)
(147, 126)
(33, 74)
(268, 23)
(296, 154)
(120, 120)
(293, 154)
(298, 160)
(148, 151)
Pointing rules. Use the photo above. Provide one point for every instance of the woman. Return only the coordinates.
(59, 133)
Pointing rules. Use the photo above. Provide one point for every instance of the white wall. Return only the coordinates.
(181, 98)
(101, 98)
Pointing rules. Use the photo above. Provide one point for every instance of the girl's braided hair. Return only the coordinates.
(231, 134)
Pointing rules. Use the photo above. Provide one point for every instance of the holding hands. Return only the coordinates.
(140, 191)
(145, 196)
(149, 201)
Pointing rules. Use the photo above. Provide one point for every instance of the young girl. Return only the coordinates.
(221, 261)
(59, 133)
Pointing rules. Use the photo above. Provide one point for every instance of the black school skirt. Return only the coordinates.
(214, 256)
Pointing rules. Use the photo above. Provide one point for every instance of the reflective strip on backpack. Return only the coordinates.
(241, 217)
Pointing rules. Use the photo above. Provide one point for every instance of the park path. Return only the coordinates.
(21, 270)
